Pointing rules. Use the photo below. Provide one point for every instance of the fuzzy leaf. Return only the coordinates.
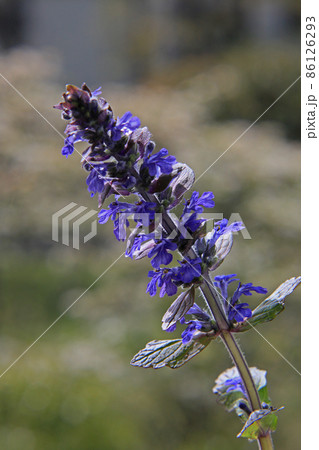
(271, 306)
(171, 353)
(261, 420)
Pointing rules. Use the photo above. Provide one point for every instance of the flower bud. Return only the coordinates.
(144, 250)
(141, 136)
(161, 183)
(220, 250)
(182, 183)
(178, 308)
(131, 238)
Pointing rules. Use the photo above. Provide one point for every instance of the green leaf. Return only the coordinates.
(271, 306)
(171, 353)
(259, 421)
(256, 422)
(263, 395)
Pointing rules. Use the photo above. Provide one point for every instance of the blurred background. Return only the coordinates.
(197, 73)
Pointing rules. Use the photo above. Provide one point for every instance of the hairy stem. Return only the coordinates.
(217, 309)
(230, 343)
(243, 369)
(212, 300)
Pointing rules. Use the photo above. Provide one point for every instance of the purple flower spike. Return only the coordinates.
(120, 161)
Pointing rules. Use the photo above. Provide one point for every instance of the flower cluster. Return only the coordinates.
(121, 160)
(202, 322)
(236, 311)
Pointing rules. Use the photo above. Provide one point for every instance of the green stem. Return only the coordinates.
(214, 303)
(265, 442)
(216, 306)
(243, 369)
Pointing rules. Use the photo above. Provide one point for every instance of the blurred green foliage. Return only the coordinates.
(241, 83)
(75, 389)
